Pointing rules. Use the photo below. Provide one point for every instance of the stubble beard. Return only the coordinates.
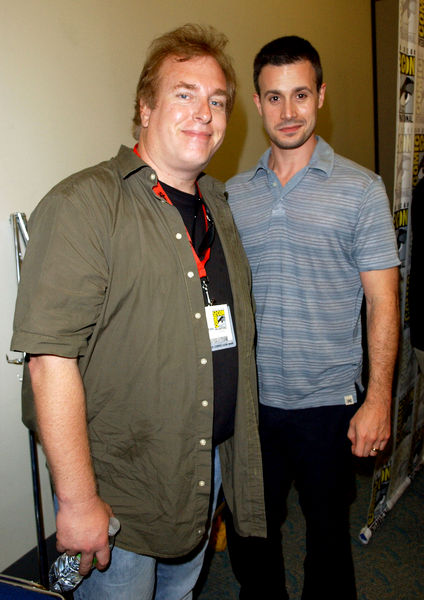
(290, 144)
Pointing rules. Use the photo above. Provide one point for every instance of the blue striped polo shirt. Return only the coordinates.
(307, 243)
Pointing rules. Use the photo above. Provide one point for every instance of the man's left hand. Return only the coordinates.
(369, 429)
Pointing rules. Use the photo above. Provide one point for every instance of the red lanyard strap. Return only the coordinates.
(200, 263)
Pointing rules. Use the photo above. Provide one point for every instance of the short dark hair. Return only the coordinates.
(286, 51)
(184, 43)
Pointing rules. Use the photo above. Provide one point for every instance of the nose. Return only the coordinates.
(288, 110)
(203, 111)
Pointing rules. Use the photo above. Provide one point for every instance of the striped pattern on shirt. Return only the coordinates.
(307, 243)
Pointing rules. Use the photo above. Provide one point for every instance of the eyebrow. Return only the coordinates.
(302, 88)
(193, 86)
(220, 92)
(296, 90)
(186, 86)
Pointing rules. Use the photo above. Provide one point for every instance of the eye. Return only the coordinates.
(302, 96)
(218, 103)
(183, 96)
(274, 99)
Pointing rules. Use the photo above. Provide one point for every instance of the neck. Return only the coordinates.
(286, 162)
(187, 197)
(184, 181)
(187, 185)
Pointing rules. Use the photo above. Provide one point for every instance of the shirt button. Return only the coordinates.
(203, 361)
(199, 532)
(274, 184)
(198, 316)
(202, 483)
(190, 274)
(178, 236)
(205, 403)
(152, 176)
(203, 442)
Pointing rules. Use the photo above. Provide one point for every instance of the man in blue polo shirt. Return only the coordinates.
(318, 233)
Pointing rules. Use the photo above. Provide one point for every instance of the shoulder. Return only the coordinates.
(244, 179)
(245, 187)
(102, 176)
(210, 185)
(98, 176)
(86, 193)
(342, 171)
(355, 184)
(240, 179)
(354, 173)
(213, 192)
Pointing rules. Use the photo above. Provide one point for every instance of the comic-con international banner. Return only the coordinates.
(395, 468)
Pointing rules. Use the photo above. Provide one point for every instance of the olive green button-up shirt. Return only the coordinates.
(109, 277)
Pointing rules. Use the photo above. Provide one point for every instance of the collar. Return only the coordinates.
(322, 160)
(129, 163)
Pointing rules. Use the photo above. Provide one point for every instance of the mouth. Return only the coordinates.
(200, 135)
(289, 129)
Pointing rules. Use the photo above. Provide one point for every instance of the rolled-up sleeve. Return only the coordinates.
(64, 276)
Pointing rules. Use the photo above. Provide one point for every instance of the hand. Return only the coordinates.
(369, 429)
(82, 527)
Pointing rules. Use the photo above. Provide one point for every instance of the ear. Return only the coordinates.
(321, 94)
(145, 112)
(257, 101)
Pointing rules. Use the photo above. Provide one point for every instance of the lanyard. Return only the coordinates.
(200, 263)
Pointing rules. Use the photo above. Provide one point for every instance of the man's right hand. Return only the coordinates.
(82, 527)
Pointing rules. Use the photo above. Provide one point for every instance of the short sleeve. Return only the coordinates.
(374, 240)
(64, 275)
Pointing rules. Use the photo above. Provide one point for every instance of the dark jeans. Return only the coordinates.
(310, 448)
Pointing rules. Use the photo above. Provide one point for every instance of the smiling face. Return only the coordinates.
(180, 134)
(288, 104)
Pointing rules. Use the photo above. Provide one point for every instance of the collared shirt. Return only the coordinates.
(109, 277)
(225, 364)
(307, 243)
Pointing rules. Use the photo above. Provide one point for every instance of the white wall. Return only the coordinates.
(66, 95)
(68, 70)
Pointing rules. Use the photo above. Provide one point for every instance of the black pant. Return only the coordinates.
(309, 447)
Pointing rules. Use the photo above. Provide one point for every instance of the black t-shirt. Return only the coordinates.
(225, 362)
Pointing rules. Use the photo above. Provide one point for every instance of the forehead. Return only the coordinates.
(283, 77)
(197, 71)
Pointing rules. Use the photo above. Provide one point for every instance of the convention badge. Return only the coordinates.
(220, 325)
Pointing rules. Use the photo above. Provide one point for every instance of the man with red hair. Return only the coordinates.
(135, 309)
